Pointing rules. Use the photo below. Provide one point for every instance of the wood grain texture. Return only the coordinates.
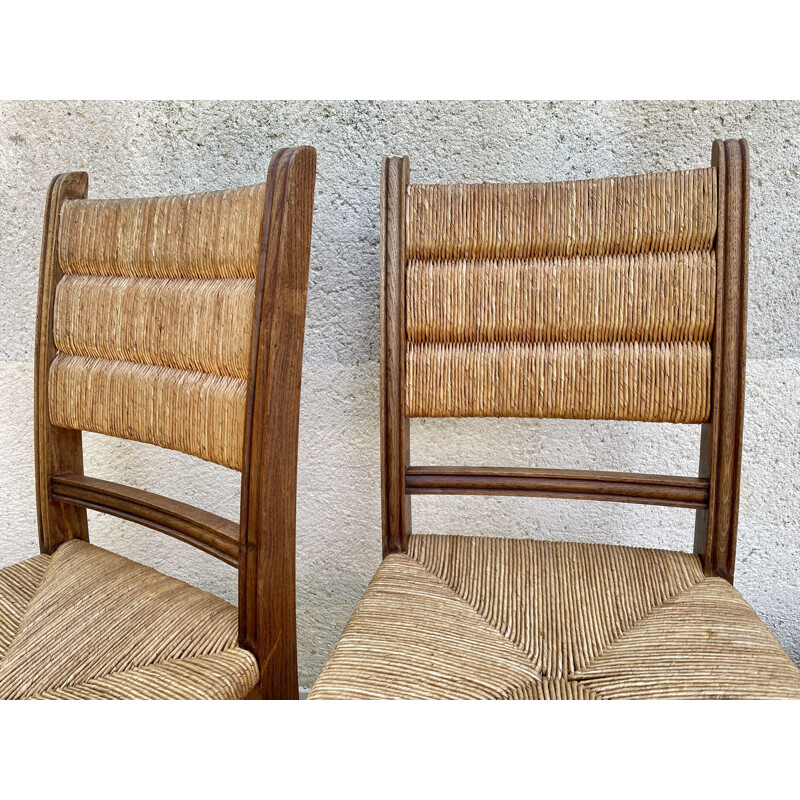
(57, 450)
(267, 625)
(721, 445)
(623, 487)
(213, 534)
(395, 505)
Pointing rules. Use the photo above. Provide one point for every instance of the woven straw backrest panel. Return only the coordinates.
(153, 319)
(590, 300)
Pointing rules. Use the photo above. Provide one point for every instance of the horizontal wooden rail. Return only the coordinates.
(621, 487)
(214, 535)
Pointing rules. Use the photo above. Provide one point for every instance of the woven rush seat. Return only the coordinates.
(85, 623)
(461, 617)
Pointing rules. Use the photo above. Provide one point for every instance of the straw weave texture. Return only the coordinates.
(409, 633)
(473, 617)
(153, 319)
(670, 211)
(197, 325)
(18, 584)
(653, 382)
(588, 300)
(203, 235)
(90, 624)
(193, 412)
(657, 297)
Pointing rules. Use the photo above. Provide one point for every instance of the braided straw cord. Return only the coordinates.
(153, 319)
(410, 636)
(671, 211)
(228, 675)
(196, 413)
(590, 621)
(18, 584)
(583, 300)
(621, 381)
(197, 325)
(554, 690)
(99, 625)
(561, 602)
(704, 643)
(203, 235)
(655, 297)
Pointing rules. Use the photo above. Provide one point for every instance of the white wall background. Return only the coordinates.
(140, 149)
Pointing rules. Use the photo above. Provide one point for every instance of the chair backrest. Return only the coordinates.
(179, 321)
(616, 299)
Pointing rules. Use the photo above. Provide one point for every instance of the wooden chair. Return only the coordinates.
(176, 321)
(616, 299)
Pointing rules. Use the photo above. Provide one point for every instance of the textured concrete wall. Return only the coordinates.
(132, 149)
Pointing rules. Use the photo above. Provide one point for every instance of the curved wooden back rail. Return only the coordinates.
(610, 299)
(623, 487)
(179, 321)
(213, 534)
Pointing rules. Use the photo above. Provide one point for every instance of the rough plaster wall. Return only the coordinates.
(132, 149)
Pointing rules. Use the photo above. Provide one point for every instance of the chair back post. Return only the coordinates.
(267, 623)
(721, 438)
(57, 450)
(395, 503)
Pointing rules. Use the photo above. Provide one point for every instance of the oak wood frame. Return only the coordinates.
(721, 437)
(57, 450)
(262, 545)
(395, 441)
(714, 493)
(213, 534)
(624, 487)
